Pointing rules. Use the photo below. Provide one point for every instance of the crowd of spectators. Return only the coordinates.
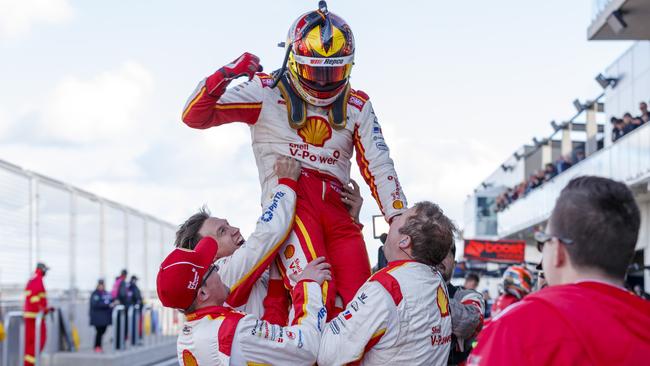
(537, 179)
(622, 126)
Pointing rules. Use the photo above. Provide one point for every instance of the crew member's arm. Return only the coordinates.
(260, 342)
(248, 263)
(376, 166)
(466, 313)
(359, 327)
(212, 105)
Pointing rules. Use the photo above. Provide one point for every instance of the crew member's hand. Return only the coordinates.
(286, 167)
(246, 65)
(317, 270)
(351, 196)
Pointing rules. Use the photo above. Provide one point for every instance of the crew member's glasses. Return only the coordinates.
(542, 238)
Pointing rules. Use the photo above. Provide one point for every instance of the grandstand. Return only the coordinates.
(495, 211)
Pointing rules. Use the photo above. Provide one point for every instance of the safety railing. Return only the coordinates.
(19, 315)
(119, 327)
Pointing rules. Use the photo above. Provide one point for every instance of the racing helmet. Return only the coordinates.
(517, 281)
(320, 56)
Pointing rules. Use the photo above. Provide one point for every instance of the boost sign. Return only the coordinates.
(502, 251)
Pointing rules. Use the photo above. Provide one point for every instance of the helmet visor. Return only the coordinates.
(323, 70)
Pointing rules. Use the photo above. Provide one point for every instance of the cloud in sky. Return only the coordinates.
(17, 17)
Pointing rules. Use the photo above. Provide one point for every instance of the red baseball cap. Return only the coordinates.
(181, 273)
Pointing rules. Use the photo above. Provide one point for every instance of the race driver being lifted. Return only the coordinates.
(316, 117)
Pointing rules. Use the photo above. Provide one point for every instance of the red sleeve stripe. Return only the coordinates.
(376, 337)
(227, 332)
(300, 298)
(226, 113)
(390, 284)
(191, 104)
(364, 167)
(240, 291)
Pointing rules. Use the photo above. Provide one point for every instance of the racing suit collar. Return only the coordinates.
(211, 311)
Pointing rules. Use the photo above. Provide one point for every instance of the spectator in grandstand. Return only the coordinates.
(618, 129)
(627, 121)
(636, 123)
(549, 172)
(471, 281)
(579, 156)
(466, 309)
(645, 115)
(517, 282)
(585, 316)
(563, 163)
(101, 305)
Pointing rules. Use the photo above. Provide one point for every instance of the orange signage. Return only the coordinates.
(501, 251)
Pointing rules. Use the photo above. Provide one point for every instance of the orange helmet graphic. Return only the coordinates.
(517, 281)
(321, 56)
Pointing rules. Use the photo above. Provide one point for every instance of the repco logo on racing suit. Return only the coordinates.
(302, 151)
(268, 214)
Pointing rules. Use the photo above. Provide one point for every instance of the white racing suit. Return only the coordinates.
(221, 336)
(323, 226)
(245, 272)
(399, 317)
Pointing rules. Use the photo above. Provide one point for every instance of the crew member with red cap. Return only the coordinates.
(214, 334)
(243, 263)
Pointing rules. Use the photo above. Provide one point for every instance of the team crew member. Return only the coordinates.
(517, 282)
(467, 308)
(314, 116)
(244, 262)
(401, 316)
(35, 302)
(214, 334)
(585, 316)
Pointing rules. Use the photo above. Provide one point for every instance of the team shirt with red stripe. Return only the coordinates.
(222, 336)
(400, 316)
(241, 271)
(317, 144)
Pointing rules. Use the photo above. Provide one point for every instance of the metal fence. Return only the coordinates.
(81, 236)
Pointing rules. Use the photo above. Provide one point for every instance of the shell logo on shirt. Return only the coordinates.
(289, 251)
(316, 131)
(443, 302)
(189, 359)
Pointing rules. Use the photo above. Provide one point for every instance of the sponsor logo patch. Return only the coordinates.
(398, 204)
(268, 214)
(289, 251)
(443, 302)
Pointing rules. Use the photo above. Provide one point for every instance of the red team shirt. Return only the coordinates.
(586, 323)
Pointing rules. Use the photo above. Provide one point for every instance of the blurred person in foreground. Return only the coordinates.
(471, 280)
(467, 308)
(215, 334)
(35, 302)
(517, 282)
(101, 308)
(585, 316)
(401, 315)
